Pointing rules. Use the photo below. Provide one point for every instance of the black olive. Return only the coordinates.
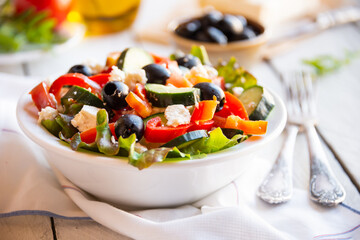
(242, 20)
(188, 29)
(188, 61)
(211, 19)
(114, 94)
(80, 69)
(230, 25)
(216, 35)
(128, 124)
(156, 73)
(248, 33)
(209, 90)
(202, 36)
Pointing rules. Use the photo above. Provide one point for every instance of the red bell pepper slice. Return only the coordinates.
(41, 97)
(235, 106)
(100, 79)
(89, 135)
(77, 79)
(224, 112)
(219, 121)
(204, 111)
(207, 125)
(156, 133)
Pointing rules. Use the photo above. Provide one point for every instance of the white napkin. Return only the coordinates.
(27, 186)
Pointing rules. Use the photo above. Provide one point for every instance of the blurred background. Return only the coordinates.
(66, 32)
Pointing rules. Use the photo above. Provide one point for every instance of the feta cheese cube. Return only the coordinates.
(86, 118)
(94, 65)
(237, 91)
(134, 77)
(203, 71)
(116, 74)
(47, 113)
(177, 115)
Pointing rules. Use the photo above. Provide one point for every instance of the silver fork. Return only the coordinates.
(324, 187)
(277, 185)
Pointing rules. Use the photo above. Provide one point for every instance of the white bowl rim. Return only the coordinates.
(29, 125)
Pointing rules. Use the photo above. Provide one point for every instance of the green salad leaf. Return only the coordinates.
(29, 28)
(52, 126)
(106, 144)
(67, 129)
(201, 53)
(325, 64)
(234, 75)
(215, 142)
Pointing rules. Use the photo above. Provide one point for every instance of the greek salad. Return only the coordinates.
(153, 109)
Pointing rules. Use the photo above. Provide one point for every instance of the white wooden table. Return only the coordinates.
(338, 105)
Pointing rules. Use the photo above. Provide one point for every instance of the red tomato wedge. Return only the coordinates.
(41, 97)
(89, 135)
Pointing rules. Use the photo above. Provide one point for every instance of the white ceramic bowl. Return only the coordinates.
(247, 52)
(113, 180)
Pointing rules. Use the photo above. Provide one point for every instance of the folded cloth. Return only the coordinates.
(27, 186)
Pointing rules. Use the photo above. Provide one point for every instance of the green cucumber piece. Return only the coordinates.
(67, 129)
(163, 96)
(134, 58)
(231, 132)
(258, 102)
(161, 115)
(186, 139)
(52, 126)
(82, 95)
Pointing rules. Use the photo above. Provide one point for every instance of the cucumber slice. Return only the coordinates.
(258, 102)
(132, 59)
(163, 96)
(161, 115)
(186, 139)
(82, 95)
(231, 132)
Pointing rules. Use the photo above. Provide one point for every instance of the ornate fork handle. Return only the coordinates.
(324, 187)
(277, 186)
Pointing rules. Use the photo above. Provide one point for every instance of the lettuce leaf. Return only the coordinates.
(67, 129)
(215, 142)
(106, 144)
(235, 76)
(104, 139)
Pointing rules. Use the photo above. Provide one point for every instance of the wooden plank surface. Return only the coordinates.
(337, 92)
(266, 75)
(25, 227)
(84, 230)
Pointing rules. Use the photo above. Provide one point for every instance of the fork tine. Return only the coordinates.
(302, 96)
(308, 82)
(291, 94)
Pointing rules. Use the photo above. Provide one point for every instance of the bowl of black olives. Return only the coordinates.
(223, 35)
